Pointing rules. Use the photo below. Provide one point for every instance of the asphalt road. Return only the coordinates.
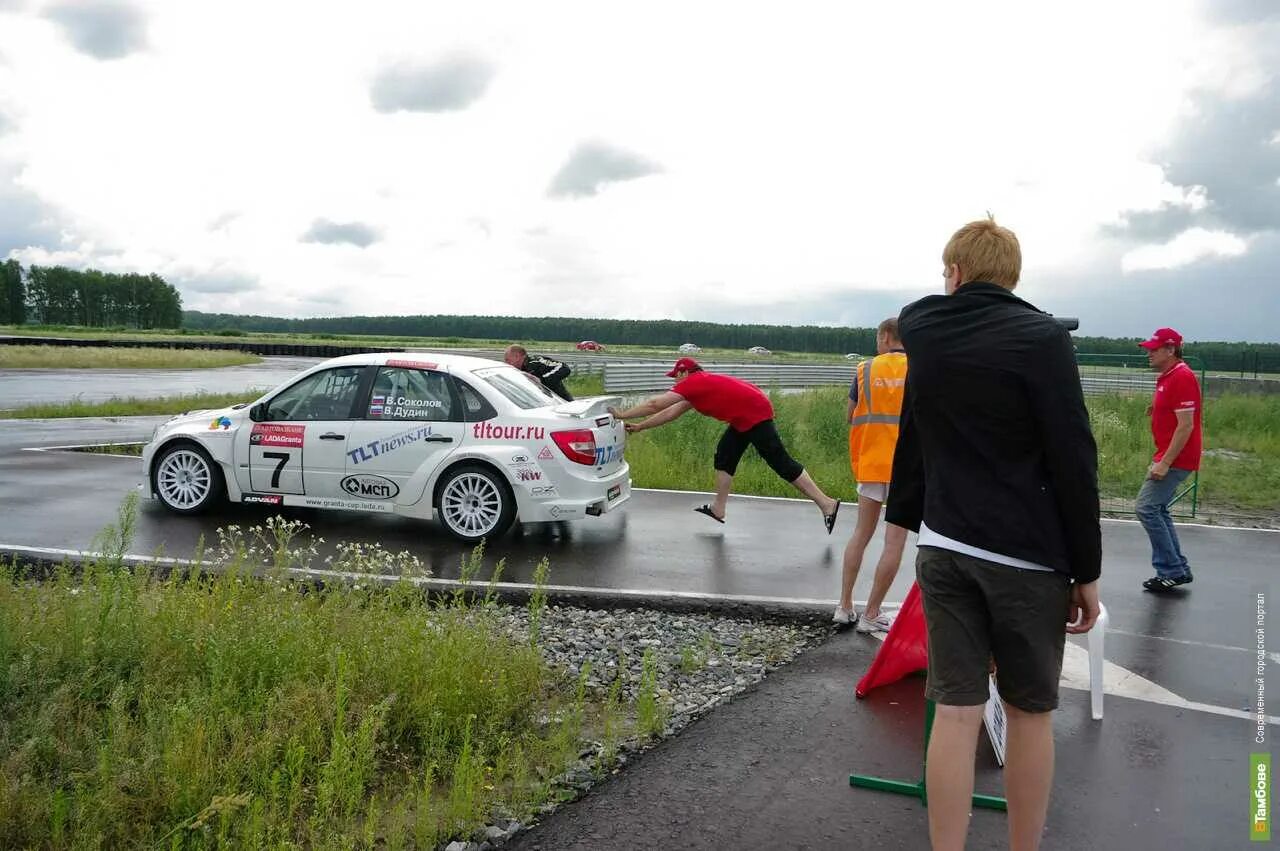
(1196, 644)
(1153, 774)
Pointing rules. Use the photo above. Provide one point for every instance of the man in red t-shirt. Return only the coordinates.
(749, 415)
(1175, 426)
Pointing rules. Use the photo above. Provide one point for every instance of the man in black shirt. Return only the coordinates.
(997, 469)
(549, 371)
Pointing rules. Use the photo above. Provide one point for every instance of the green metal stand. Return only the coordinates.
(917, 790)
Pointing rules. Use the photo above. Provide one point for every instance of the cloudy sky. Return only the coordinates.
(797, 163)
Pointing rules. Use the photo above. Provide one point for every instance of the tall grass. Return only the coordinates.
(812, 424)
(103, 357)
(132, 406)
(679, 455)
(1241, 468)
(234, 711)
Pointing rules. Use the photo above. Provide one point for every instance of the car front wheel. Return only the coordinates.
(475, 503)
(186, 480)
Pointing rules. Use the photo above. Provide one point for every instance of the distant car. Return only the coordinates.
(689, 349)
(590, 346)
(473, 443)
(853, 356)
(758, 350)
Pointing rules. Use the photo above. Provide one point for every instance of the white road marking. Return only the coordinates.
(1275, 657)
(1122, 682)
(802, 500)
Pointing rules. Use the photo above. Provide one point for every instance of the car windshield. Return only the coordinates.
(519, 387)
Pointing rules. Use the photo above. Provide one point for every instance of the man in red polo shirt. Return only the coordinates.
(1175, 426)
(749, 415)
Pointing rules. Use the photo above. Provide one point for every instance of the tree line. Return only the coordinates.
(669, 333)
(640, 332)
(56, 295)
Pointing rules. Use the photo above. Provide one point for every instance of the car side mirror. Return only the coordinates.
(258, 412)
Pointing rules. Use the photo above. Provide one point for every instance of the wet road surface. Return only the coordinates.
(1150, 775)
(19, 387)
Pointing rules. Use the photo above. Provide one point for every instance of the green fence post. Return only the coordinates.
(919, 790)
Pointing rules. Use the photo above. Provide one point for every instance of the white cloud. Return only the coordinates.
(830, 149)
(449, 84)
(1188, 247)
(338, 233)
(594, 164)
(103, 29)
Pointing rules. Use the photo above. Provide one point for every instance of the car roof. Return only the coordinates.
(450, 362)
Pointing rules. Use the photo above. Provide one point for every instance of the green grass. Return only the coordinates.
(678, 455)
(102, 357)
(1244, 476)
(132, 406)
(234, 711)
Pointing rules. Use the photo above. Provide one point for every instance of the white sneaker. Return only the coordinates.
(880, 623)
(844, 617)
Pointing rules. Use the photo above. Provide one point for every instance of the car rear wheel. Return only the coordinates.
(186, 480)
(475, 503)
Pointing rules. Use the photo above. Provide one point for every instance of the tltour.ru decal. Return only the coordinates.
(384, 445)
(489, 431)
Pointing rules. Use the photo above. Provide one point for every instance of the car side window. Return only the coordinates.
(327, 395)
(401, 393)
(475, 406)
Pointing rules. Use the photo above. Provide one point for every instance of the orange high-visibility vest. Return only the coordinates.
(873, 431)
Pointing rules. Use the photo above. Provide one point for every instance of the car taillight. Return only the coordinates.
(578, 445)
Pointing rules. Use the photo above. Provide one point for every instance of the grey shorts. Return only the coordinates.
(976, 610)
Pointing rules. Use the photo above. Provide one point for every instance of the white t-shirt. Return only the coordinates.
(930, 538)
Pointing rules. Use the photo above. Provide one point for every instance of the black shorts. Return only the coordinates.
(976, 610)
(765, 438)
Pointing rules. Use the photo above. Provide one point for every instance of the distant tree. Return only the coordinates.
(13, 295)
(56, 295)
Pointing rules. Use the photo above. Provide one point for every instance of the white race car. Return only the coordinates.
(472, 442)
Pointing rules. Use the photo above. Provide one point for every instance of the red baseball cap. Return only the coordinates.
(1162, 337)
(683, 365)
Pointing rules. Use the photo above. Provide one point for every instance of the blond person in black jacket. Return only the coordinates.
(997, 469)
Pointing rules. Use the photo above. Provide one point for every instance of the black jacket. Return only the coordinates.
(550, 372)
(995, 448)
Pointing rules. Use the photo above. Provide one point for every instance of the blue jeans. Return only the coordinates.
(1153, 513)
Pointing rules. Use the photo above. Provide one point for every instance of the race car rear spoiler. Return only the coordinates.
(594, 406)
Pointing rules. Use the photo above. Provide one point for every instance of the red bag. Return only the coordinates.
(905, 649)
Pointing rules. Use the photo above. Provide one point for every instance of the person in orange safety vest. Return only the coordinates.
(875, 404)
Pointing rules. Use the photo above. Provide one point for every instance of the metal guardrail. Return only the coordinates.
(631, 377)
(1099, 385)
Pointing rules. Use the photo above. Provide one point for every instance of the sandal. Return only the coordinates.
(830, 519)
(706, 509)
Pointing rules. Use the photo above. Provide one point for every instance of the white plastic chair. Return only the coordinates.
(1097, 637)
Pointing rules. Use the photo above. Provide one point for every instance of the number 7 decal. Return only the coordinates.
(281, 458)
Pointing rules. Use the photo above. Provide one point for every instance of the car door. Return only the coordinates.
(299, 449)
(413, 421)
